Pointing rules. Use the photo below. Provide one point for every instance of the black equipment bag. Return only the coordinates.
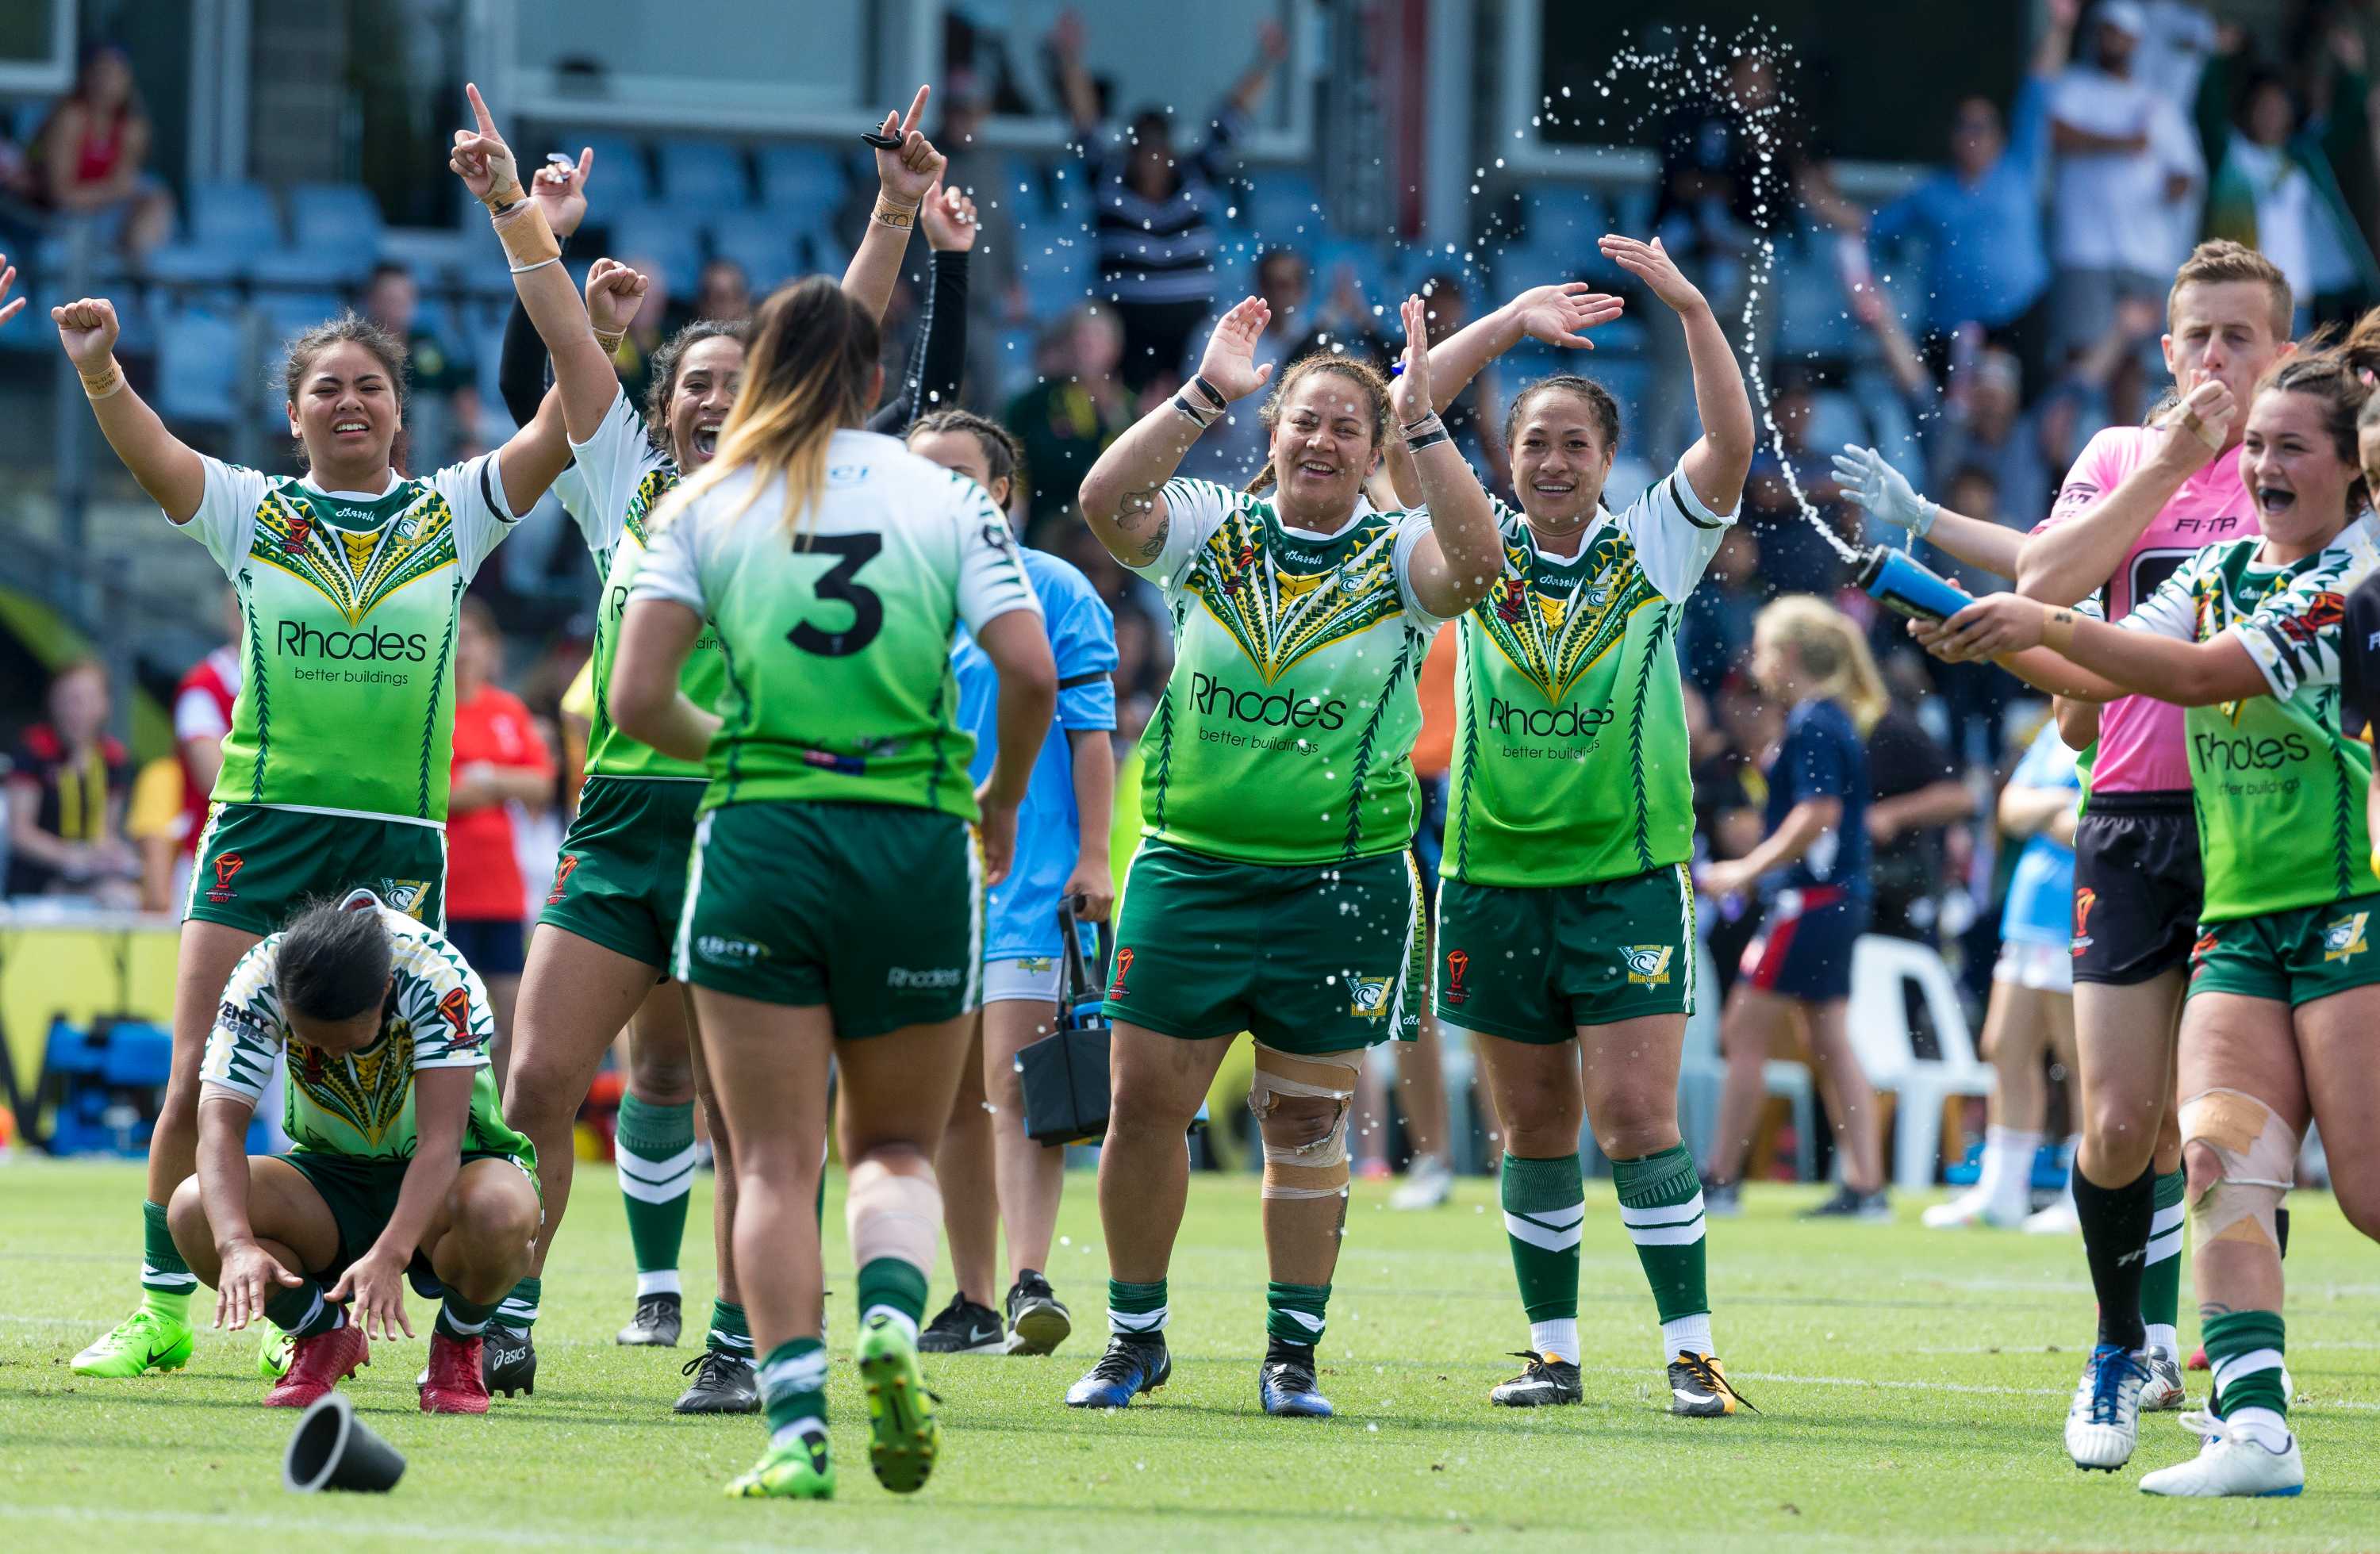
(1064, 1077)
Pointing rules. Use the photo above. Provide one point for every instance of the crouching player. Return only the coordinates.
(401, 1165)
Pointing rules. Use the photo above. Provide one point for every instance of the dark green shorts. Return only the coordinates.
(1307, 958)
(258, 865)
(361, 1196)
(875, 910)
(2290, 957)
(621, 879)
(1533, 964)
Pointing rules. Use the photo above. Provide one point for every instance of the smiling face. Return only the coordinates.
(1560, 460)
(346, 413)
(2223, 330)
(708, 376)
(2291, 465)
(1324, 443)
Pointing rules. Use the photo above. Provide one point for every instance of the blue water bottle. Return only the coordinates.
(1900, 582)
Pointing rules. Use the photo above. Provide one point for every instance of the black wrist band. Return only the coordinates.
(1214, 394)
(1429, 439)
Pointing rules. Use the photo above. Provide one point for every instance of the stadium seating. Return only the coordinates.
(198, 360)
(1887, 1048)
(659, 234)
(764, 242)
(620, 175)
(337, 219)
(804, 182)
(703, 176)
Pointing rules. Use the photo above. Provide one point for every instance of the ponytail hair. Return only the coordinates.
(809, 372)
(2338, 372)
(1363, 374)
(1833, 655)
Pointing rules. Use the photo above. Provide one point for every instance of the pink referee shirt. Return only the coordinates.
(2140, 747)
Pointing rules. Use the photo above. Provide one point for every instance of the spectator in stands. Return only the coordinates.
(2262, 195)
(202, 704)
(393, 299)
(1716, 632)
(1237, 449)
(2127, 164)
(1914, 794)
(723, 293)
(91, 156)
(66, 790)
(1987, 262)
(1155, 203)
(1069, 414)
(500, 760)
(1794, 557)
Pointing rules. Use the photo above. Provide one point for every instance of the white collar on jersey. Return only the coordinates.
(308, 481)
(1363, 505)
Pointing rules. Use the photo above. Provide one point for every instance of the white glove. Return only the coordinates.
(1869, 482)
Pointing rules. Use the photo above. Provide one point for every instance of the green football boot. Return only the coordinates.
(900, 1410)
(143, 1341)
(273, 1355)
(799, 1472)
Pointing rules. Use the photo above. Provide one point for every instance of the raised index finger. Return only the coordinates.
(916, 107)
(479, 110)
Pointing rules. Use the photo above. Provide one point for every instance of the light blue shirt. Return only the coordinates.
(2040, 908)
(1986, 259)
(1021, 917)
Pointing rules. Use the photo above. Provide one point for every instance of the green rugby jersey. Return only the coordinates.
(1571, 761)
(360, 1104)
(348, 607)
(2278, 789)
(615, 480)
(837, 643)
(1286, 731)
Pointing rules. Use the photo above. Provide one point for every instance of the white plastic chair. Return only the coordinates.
(1886, 1051)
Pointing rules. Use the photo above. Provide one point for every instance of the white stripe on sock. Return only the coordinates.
(1558, 1337)
(1560, 1218)
(657, 1190)
(185, 1280)
(797, 1373)
(658, 1282)
(731, 1344)
(1136, 1321)
(313, 1311)
(1538, 1235)
(1305, 1320)
(517, 1314)
(1664, 1214)
(2163, 1247)
(1686, 1335)
(900, 1319)
(1667, 1235)
(469, 1330)
(2166, 1220)
(2235, 1368)
(791, 1434)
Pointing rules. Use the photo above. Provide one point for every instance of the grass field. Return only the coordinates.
(1913, 1384)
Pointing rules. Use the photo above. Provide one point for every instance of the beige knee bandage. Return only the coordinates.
(891, 1215)
(1318, 1170)
(2259, 1156)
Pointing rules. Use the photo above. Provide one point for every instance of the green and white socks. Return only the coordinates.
(730, 1334)
(1545, 1207)
(518, 1309)
(166, 1280)
(2161, 1269)
(793, 1391)
(1137, 1310)
(1661, 1204)
(2252, 1387)
(894, 1288)
(656, 1160)
(1293, 1312)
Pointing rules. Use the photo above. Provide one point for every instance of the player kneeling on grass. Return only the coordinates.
(401, 1162)
(2284, 989)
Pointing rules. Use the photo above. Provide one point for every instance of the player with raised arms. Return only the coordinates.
(994, 1176)
(599, 959)
(2283, 989)
(833, 908)
(401, 1164)
(349, 579)
(1274, 891)
(1566, 918)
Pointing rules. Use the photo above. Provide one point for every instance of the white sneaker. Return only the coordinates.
(1428, 1184)
(1972, 1207)
(2229, 1461)
(2059, 1219)
(2104, 1423)
(2164, 1391)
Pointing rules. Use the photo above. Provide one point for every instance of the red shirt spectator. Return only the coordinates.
(202, 704)
(493, 732)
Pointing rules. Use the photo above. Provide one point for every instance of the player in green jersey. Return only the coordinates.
(348, 578)
(600, 958)
(401, 1164)
(833, 907)
(1565, 919)
(1274, 891)
(2284, 987)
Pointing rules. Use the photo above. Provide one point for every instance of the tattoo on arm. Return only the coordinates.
(1138, 518)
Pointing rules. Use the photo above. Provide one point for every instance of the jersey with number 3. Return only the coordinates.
(2139, 737)
(835, 626)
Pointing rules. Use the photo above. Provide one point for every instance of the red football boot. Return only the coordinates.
(452, 1384)
(319, 1363)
